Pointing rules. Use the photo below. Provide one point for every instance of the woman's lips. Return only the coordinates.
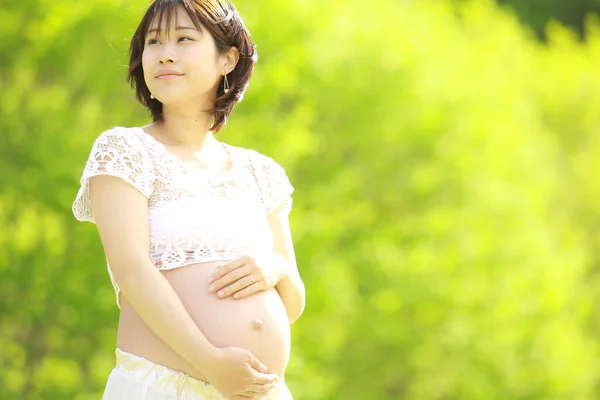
(168, 76)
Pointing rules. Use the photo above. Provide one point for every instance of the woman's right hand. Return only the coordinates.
(238, 375)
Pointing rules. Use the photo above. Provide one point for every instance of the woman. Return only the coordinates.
(195, 231)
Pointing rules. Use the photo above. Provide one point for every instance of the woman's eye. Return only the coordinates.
(154, 41)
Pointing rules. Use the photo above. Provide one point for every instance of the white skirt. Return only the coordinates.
(135, 378)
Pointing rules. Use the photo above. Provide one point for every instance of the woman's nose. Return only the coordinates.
(166, 55)
(166, 59)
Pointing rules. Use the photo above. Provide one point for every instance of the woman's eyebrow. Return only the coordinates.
(177, 28)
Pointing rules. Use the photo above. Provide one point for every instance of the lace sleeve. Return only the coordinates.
(116, 153)
(274, 184)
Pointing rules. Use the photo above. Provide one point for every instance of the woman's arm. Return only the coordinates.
(121, 215)
(290, 287)
(247, 275)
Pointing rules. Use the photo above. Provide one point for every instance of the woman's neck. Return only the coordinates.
(186, 131)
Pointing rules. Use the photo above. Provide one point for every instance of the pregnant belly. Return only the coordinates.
(257, 323)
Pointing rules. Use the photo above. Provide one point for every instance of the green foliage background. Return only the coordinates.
(536, 13)
(446, 207)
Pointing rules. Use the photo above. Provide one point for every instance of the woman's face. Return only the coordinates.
(188, 54)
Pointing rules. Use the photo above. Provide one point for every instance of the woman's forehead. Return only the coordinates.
(170, 19)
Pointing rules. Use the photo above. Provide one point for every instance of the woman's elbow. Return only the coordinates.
(298, 308)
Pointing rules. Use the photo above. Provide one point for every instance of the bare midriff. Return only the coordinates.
(257, 323)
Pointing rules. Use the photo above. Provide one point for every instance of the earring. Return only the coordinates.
(151, 96)
(225, 84)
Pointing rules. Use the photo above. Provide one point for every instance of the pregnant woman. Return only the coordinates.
(195, 231)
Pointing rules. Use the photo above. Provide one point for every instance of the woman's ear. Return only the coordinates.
(231, 59)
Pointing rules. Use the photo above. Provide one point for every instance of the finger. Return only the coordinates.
(248, 290)
(231, 288)
(230, 277)
(227, 267)
(264, 379)
(216, 274)
(256, 388)
(256, 365)
(221, 270)
(240, 284)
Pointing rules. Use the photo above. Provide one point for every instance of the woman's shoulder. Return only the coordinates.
(117, 132)
(119, 139)
(265, 169)
(271, 177)
(256, 158)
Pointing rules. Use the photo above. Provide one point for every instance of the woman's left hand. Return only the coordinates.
(247, 275)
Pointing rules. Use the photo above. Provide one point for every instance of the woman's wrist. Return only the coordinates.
(207, 357)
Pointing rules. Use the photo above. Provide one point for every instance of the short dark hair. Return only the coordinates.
(222, 20)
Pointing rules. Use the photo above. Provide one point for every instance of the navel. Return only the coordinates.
(257, 325)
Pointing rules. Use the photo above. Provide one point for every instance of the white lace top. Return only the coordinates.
(192, 219)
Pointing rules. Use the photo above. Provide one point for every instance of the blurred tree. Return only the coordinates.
(537, 13)
(446, 215)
